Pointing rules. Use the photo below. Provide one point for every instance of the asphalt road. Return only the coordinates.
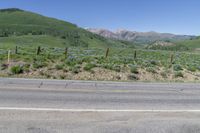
(54, 106)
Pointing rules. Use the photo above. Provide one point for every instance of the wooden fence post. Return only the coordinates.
(16, 50)
(9, 52)
(107, 52)
(135, 55)
(66, 52)
(38, 50)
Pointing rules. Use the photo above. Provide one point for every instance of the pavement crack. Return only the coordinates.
(40, 85)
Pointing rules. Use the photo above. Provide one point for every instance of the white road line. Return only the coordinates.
(93, 110)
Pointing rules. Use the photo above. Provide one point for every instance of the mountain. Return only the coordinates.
(19, 27)
(139, 37)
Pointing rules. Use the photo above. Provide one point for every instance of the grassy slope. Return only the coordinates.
(29, 40)
(193, 44)
(91, 64)
(19, 23)
(186, 45)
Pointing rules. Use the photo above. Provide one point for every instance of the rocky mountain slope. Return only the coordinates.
(139, 37)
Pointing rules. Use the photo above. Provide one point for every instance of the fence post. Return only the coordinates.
(66, 52)
(9, 56)
(135, 55)
(16, 50)
(38, 50)
(107, 52)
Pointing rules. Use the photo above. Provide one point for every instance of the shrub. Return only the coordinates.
(178, 74)
(89, 66)
(192, 68)
(26, 67)
(163, 74)
(76, 69)
(108, 66)
(134, 69)
(177, 68)
(16, 69)
(116, 68)
(150, 63)
(39, 64)
(154, 62)
(72, 64)
(151, 69)
(113, 67)
(59, 67)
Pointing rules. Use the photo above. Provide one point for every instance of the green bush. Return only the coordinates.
(71, 61)
(59, 66)
(76, 69)
(134, 69)
(26, 67)
(89, 66)
(151, 69)
(179, 74)
(116, 68)
(177, 68)
(112, 66)
(108, 66)
(192, 68)
(16, 69)
(154, 62)
(163, 74)
(39, 65)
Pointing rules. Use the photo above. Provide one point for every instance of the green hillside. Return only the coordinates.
(191, 44)
(22, 27)
(186, 45)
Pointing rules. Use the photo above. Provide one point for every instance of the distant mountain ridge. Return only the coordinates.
(140, 37)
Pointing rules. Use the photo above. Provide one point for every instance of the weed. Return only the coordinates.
(151, 70)
(59, 66)
(177, 67)
(134, 69)
(89, 66)
(16, 69)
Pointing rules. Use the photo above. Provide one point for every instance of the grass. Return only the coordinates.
(134, 69)
(192, 44)
(85, 58)
(19, 27)
(16, 69)
(89, 66)
(79, 60)
(184, 45)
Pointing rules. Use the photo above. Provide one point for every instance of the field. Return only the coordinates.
(86, 56)
(121, 64)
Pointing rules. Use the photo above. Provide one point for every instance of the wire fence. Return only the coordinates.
(116, 55)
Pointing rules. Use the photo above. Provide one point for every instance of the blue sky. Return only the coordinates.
(172, 16)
